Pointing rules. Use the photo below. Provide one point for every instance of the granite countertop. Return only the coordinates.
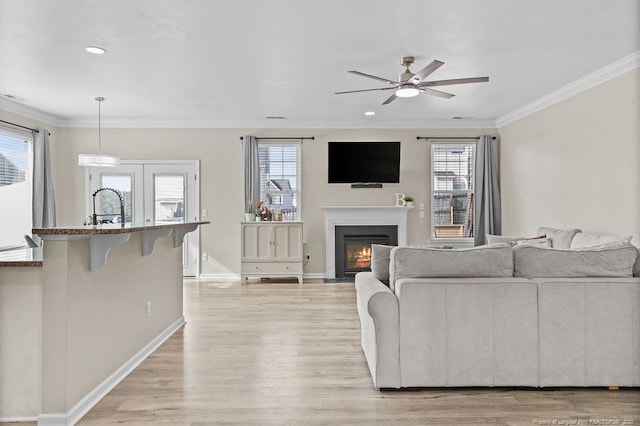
(33, 256)
(112, 228)
(21, 257)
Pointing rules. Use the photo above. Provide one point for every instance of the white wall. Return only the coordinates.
(20, 341)
(576, 163)
(220, 153)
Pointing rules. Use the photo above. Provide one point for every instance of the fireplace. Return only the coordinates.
(339, 216)
(353, 246)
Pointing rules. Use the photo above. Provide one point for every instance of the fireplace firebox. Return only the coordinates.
(353, 246)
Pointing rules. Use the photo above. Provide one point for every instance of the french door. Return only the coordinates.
(152, 191)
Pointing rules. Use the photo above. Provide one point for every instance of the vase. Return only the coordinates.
(248, 217)
(409, 203)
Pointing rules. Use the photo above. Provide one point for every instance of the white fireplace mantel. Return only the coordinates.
(360, 215)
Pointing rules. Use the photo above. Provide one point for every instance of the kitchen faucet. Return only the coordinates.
(95, 216)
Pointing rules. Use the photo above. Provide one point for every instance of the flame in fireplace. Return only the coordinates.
(363, 258)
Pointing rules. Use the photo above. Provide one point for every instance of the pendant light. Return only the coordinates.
(100, 159)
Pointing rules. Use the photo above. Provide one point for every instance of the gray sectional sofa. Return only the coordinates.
(494, 315)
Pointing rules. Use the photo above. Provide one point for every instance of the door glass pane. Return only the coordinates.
(108, 202)
(169, 198)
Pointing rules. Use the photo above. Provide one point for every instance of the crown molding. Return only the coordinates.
(611, 71)
(28, 112)
(293, 124)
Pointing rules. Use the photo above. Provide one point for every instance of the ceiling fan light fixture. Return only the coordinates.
(407, 91)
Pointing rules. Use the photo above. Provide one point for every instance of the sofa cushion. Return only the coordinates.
(609, 260)
(560, 238)
(380, 255)
(587, 239)
(493, 260)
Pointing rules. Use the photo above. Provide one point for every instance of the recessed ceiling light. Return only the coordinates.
(95, 50)
(370, 113)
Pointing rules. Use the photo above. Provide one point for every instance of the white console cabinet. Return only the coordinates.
(271, 249)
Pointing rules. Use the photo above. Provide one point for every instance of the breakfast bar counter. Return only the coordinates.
(86, 308)
(105, 236)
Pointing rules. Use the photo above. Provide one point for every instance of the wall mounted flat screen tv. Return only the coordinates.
(364, 162)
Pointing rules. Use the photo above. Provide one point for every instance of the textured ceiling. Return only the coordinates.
(233, 63)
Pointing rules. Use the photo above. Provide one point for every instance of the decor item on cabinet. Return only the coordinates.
(100, 159)
(249, 213)
(263, 211)
(408, 200)
(271, 249)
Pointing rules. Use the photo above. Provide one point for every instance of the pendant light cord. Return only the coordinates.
(99, 99)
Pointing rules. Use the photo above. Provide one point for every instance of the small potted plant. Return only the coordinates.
(249, 213)
(409, 200)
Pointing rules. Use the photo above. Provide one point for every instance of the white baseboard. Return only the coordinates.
(220, 277)
(83, 406)
(313, 275)
(18, 419)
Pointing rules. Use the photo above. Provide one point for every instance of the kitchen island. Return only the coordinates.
(77, 320)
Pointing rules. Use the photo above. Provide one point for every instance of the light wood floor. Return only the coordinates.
(282, 354)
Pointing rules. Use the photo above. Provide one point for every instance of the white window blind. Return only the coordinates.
(16, 153)
(279, 164)
(452, 190)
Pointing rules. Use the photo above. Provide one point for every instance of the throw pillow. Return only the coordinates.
(495, 239)
(609, 260)
(380, 255)
(514, 241)
(541, 241)
(586, 239)
(560, 238)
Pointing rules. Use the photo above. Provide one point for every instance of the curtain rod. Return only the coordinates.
(17, 125)
(287, 138)
(436, 137)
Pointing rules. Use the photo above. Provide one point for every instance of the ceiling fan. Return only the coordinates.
(410, 84)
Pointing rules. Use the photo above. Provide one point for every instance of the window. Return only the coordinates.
(452, 190)
(15, 187)
(279, 164)
(108, 203)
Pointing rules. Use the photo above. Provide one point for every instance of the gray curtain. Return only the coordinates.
(487, 208)
(44, 205)
(251, 171)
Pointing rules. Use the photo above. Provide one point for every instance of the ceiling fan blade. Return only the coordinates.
(426, 71)
(374, 77)
(453, 81)
(365, 90)
(390, 99)
(437, 93)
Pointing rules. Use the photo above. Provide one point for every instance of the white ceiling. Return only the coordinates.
(232, 63)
